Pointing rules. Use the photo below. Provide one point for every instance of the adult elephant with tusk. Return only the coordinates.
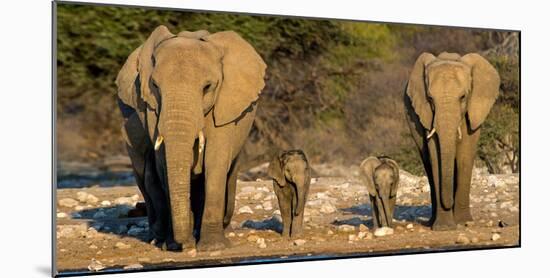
(447, 99)
(189, 101)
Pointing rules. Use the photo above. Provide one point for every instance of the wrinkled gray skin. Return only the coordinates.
(189, 101)
(381, 176)
(447, 99)
(291, 178)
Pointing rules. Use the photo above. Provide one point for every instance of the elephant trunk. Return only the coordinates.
(180, 130)
(447, 134)
(301, 194)
(386, 216)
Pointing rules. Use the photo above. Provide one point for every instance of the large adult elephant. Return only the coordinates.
(189, 101)
(447, 98)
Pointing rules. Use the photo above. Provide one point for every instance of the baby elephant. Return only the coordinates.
(291, 177)
(381, 176)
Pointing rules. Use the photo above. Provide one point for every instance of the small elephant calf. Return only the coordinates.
(381, 176)
(291, 178)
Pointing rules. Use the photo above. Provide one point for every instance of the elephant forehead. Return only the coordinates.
(383, 173)
(187, 52)
(448, 75)
(295, 163)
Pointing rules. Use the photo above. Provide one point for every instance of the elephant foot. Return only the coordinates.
(444, 222)
(296, 234)
(213, 242)
(463, 216)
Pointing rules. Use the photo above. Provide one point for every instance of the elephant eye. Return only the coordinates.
(207, 87)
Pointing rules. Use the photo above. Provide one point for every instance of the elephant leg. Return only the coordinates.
(158, 224)
(297, 225)
(230, 192)
(140, 173)
(286, 216)
(443, 219)
(392, 209)
(465, 163)
(374, 212)
(217, 167)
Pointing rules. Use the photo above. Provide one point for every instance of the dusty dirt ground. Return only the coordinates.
(95, 233)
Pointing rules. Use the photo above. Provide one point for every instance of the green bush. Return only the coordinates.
(338, 85)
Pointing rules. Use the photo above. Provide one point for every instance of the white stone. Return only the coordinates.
(346, 228)
(192, 252)
(105, 203)
(410, 226)
(261, 243)
(258, 207)
(495, 237)
(494, 181)
(81, 196)
(327, 208)
(245, 209)
(95, 266)
(68, 202)
(362, 235)
(62, 215)
(122, 245)
(257, 196)
(462, 239)
(125, 201)
(277, 212)
(91, 199)
(267, 205)
(384, 231)
(248, 189)
(299, 242)
(352, 237)
(133, 266)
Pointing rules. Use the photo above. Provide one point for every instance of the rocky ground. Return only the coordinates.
(95, 233)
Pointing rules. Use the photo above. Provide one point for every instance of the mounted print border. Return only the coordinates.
(187, 138)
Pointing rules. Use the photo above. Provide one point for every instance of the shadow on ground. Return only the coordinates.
(418, 214)
(272, 223)
(115, 220)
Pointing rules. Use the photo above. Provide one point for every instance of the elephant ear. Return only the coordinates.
(367, 173)
(395, 168)
(145, 63)
(416, 90)
(126, 80)
(276, 171)
(308, 168)
(484, 91)
(243, 76)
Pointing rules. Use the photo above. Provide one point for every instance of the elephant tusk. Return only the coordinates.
(459, 134)
(201, 141)
(432, 132)
(158, 142)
